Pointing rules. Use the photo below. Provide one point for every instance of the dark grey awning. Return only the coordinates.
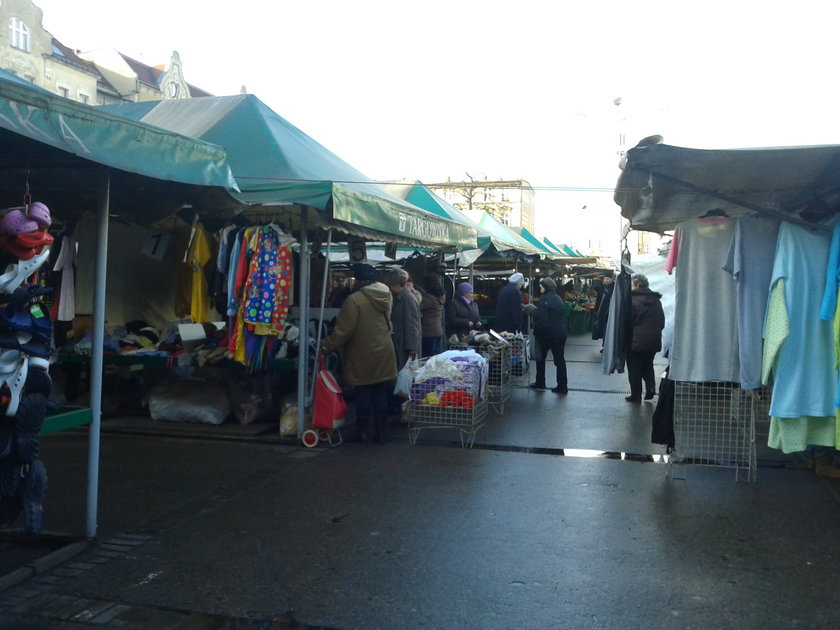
(661, 185)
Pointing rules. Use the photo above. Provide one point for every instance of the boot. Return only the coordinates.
(363, 430)
(379, 430)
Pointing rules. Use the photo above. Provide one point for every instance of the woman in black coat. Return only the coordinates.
(462, 314)
(646, 340)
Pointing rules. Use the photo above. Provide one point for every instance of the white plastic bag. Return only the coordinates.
(405, 378)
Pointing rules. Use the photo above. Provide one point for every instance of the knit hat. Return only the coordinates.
(548, 283)
(364, 272)
(464, 288)
(516, 278)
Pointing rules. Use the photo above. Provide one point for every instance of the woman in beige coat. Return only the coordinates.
(362, 335)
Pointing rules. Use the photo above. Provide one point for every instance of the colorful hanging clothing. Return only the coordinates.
(198, 256)
(266, 293)
(799, 346)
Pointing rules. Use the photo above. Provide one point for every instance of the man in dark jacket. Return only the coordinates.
(646, 339)
(550, 330)
(509, 305)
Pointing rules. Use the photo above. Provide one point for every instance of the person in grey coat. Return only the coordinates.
(405, 317)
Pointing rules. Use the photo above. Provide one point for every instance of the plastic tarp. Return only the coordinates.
(275, 163)
(58, 145)
(661, 185)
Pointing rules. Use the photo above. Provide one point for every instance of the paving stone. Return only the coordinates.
(110, 614)
(94, 609)
(15, 577)
(71, 609)
(66, 572)
(82, 566)
(57, 603)
(121, 548)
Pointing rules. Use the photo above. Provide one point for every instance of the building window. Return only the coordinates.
(19, 35)
(84, 98)
(63, 91)
(174, 89)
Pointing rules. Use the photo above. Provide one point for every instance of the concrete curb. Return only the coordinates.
(42, 564)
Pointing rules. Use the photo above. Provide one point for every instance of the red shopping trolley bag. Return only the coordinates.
(329, 409)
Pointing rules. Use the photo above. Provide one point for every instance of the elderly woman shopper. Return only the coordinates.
(646, 339)
(431, 315)
(405, 317)
(462, 314)
(550, 331)
(509, 305)
(363, 336)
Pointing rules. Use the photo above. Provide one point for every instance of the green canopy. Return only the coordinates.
(499, 235)
(58, 146)
(551, 245)
(541, 247)
(275, 163)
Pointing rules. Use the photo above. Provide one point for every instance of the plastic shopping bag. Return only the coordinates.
(404, 379)
(329, 408)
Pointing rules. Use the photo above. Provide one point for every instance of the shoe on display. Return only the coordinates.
(15, 222)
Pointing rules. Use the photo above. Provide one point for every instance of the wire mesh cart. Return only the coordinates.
(499, 379)
(519, 362)
(715, 425)
(445, 403)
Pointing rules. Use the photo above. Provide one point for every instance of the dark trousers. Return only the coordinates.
(372, 400)
(558, 348)
(639, 368)
(432, 346)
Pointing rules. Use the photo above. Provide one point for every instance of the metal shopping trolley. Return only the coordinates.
(519, 363)
(440, 403)
(499, 383)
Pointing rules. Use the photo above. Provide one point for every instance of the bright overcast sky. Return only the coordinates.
(422, 90)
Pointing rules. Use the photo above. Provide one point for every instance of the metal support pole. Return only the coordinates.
(321, 313)
(97, 349)
(303, 348)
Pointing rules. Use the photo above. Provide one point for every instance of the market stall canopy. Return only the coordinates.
(541, 247)
(59, 147)
(276, 164)
(499, 235)
(661, 185)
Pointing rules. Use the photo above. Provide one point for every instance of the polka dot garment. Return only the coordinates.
(269, 282)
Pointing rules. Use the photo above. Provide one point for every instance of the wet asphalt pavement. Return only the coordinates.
(534, 527)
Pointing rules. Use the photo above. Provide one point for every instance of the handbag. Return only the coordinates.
(329, 409)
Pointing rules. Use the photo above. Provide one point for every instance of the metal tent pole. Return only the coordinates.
(97, 348)
(321, 312)
(303, 347)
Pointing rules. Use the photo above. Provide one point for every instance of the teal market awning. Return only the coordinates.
(276, 164)
(59, 146)
(499, 235)
(557, 249)
(541, 247)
